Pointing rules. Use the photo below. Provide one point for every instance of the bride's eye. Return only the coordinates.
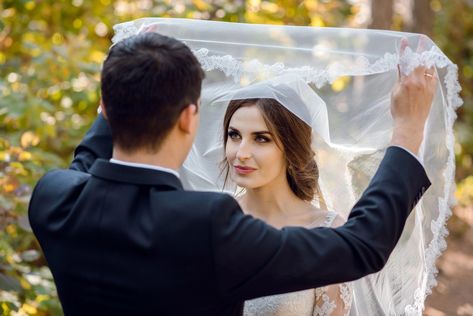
(233, 135)
(262, 139)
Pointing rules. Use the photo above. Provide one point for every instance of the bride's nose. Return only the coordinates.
(243, 152)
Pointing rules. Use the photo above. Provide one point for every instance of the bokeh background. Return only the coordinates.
(50, 57)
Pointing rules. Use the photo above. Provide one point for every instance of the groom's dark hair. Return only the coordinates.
(147, 80)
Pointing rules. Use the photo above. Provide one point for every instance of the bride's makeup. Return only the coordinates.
(253, 156)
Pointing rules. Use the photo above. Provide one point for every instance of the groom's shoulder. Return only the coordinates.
(218, 209)
(57, 183)
(198, 207)
(53, 191)
(213, 204)
(211, 199)
(60, 180)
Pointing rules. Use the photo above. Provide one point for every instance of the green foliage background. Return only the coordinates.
(50, 58)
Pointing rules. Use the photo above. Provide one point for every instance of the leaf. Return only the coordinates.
(24, 223)
(30, 255)
(29, 139)
(29, 309)
(8, 283)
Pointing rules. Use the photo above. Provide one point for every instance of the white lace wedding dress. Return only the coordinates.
(333, 300)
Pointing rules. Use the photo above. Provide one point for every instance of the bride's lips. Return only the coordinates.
(243, 170)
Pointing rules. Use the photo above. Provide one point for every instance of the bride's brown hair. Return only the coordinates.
(295, 137)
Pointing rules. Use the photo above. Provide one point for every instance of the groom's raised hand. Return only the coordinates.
(411, 101)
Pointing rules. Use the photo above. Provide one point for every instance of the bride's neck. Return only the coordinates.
(273, 204)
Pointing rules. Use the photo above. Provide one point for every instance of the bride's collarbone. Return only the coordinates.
(311, 216)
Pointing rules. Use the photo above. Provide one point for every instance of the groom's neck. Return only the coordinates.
(167, 158)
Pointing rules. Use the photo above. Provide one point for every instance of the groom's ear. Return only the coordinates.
(187, 119)
(102, 109)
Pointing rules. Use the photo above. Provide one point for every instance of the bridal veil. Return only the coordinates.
(338, 81)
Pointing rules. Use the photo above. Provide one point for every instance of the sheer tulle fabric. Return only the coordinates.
(338, 81)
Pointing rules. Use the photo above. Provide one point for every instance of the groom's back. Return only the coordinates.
(127, 241)
(124, 240)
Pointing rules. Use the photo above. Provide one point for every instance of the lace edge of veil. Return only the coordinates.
(235, 68)
(439, 226)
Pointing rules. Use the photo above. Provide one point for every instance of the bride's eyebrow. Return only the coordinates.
(254, 133)
(262, 132)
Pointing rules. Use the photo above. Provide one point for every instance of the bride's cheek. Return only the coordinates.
(229, 154)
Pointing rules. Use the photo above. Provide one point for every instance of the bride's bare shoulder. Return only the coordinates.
(324, 217)
(337, 221)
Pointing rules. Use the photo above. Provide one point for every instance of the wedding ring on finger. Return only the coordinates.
(428, 75)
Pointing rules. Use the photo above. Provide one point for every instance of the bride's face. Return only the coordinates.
(253, 156)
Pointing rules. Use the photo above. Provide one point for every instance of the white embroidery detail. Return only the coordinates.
(327, 307)
(346, 295)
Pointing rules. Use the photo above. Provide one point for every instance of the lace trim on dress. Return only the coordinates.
(346, 291)
(331, 215)
(327, 306)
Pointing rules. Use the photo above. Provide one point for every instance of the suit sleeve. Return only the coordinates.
(97, 143)
(253, 259)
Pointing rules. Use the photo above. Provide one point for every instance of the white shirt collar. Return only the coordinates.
(144, 165)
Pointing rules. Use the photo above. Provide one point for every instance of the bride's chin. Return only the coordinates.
(243, 183)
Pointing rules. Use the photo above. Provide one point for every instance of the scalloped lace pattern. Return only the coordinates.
(410, 60)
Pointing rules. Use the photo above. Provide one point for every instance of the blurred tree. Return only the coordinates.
(423, 18)
(453, 31)
(450, 25)
(382, 13)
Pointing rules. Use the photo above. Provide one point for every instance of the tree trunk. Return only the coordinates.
(381, 14)
(422, 18)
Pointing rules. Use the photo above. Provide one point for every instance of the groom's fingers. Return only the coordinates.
(416, 79)
(421, 44)
(420, 72)
(403, 45)
(431, 81)
(421, 76)
(150, 28)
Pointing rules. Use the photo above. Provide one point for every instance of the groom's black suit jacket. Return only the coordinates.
(130, 241)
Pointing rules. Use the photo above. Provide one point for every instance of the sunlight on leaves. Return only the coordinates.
(29, 139)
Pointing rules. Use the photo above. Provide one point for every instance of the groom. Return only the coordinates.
(122, 237)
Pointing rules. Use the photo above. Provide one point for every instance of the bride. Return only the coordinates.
(268, 153)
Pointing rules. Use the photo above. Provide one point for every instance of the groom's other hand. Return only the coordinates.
(411, 101)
